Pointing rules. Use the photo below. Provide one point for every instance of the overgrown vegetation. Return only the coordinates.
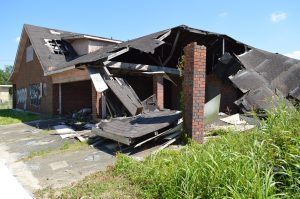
(9, 116)
(5, 74)
(262, 163)
(99, 185)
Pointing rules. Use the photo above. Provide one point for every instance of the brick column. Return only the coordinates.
(96, 103)
(158, 89)
(194, 90)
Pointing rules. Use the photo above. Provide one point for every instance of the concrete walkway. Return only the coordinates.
(9, 186)
(53, 170)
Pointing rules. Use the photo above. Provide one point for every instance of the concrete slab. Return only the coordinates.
(56, 169)
(58, 165)
(53, 170)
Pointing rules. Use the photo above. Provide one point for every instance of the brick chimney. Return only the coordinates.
(194, 90)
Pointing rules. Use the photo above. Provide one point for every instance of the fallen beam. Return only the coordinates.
(141, 67)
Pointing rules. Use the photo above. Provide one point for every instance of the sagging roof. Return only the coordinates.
(264, 76)
(166, 43)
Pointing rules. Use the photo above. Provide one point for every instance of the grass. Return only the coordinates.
(98, 185)
(10, 116)
(263, 163)
(66, 147)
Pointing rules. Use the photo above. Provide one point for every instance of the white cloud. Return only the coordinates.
(295, 54)
(278, 16)
(223, 14)
(17, 39)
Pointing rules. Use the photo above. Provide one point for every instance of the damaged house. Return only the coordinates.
(138, 84)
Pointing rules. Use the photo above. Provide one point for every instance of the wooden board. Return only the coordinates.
(97, 80)
(126, 98)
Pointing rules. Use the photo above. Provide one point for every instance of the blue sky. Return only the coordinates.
(271, 25)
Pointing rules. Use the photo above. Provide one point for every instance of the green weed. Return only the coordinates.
(263, 163)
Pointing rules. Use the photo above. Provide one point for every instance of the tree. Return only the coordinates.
(5, 74)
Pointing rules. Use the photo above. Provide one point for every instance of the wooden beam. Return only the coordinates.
(141, 67)
(120, 52)
(164, 36)
(173, 49)
(73, 75)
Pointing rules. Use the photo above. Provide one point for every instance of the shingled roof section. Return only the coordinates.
(266, 75)
(37, 36)
(149, 43)
(48, 59)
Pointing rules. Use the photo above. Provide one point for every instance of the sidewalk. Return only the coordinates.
(9, 186)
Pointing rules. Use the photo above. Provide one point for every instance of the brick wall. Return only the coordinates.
(158, 89)
(96, 103)
(32, 73)
(194, 90)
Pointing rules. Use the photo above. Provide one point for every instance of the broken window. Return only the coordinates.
(35, 94)
(57, 46)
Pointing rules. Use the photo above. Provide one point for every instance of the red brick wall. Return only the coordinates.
(194, 90)
(96, 103)
(32, 73)
(158, 89)
(75, 96)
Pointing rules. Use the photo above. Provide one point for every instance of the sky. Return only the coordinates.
(271, 25)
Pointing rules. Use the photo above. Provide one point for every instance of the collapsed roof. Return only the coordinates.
(162, 48)
(265, 78)
(260, 75)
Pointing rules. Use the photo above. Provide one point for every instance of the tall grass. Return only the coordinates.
(263, 163)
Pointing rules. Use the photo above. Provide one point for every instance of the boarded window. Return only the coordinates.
(29, 54)
(35, 94)
(21, 95)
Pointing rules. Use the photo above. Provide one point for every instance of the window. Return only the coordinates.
(57, 46)
(29, 54)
